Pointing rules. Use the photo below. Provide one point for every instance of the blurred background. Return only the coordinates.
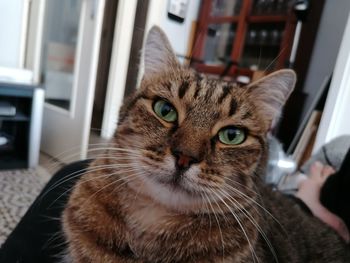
(67, 65)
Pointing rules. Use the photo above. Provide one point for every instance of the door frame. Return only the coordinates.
(120, 58)
(118, 69)
(335, 117)
(34, 61)
(92, 81)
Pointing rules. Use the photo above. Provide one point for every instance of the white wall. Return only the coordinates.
(335, 119)
(12, 31)
(35, 38)
(179, 33)
(326, 48)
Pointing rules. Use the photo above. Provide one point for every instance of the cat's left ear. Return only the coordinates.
(159, 55)
(270, 93)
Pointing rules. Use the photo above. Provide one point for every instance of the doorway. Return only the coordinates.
(108, 32)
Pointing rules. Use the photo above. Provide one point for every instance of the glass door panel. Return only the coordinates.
(271, 7)
(59, 51)
(218, 43)
(262, 45)
(222, 8)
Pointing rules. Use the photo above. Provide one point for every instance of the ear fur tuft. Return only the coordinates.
(159, 54)
(270, 93)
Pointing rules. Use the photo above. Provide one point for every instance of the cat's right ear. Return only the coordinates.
(159, 55)
(270, 93)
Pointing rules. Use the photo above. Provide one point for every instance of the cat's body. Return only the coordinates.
(183, 180)
(132, 228)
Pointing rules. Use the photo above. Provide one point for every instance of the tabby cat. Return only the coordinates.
(182, 180)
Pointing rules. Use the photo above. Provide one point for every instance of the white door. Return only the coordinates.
(71, 40)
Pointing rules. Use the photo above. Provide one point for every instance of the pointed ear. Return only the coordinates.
(158, 55)
(270, 93)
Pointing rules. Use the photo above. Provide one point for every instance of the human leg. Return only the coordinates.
(309, 191)
(335, 194)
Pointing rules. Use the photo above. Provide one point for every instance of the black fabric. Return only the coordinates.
(335, 194)
(38, 236)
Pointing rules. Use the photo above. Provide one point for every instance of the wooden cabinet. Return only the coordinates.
(238, 37)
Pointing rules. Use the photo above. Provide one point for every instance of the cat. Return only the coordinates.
(182, 180)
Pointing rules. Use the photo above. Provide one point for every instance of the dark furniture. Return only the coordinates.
(22, 130)
(241, 36)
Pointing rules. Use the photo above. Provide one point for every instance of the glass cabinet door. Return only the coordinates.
(271, 7)
(221, 32)
(222, 8)
(218, 43)
(61, 29)
(262, 45)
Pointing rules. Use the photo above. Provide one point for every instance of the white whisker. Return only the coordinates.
(258, 204)
(254, 256)
(252, 220)
(218, 223)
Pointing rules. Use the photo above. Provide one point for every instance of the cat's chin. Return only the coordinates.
(169, 194)
(176, 197)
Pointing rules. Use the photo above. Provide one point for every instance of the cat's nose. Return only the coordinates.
(184, 161)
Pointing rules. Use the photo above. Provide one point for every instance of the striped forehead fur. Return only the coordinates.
(190, 86)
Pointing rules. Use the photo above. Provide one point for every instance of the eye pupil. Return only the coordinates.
(232, 135)
(165, 109)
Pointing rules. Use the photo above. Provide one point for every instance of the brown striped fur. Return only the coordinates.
(135, 205)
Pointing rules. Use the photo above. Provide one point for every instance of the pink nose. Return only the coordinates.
(184, 161)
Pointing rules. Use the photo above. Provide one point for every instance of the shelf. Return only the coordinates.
(12, 161)
(15, 153)
(223, 19)
(16, 90)
(258, 45)
(267, 18)
(18, 117)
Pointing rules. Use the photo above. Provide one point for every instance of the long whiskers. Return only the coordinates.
(218, 223)
(245, 212)
(62, 157)
(121, 155)
(254, 256)
(67, 156)
(240, 193)
(98, 177)
(247, 188)
(208, 209)
(79, 173)
(134, 176)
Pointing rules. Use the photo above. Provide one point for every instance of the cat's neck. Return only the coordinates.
(149, 222)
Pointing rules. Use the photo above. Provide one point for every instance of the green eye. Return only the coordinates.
(165, 111)
(232, 135)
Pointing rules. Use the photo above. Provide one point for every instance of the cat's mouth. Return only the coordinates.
(176, 181)
(173, 187)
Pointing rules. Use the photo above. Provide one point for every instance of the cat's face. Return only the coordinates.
(194, 141)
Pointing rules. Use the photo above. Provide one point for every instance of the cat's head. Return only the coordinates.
(190, 139)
